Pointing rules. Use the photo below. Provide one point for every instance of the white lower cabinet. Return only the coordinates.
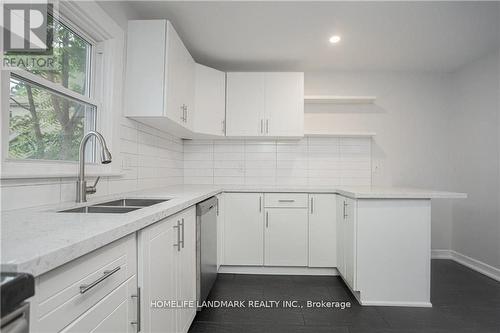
(244, 229)
(346, 239)
(279, 229)
(285, 237)
(322, 230)
(383, 250)
(167, 272)
(92, 293)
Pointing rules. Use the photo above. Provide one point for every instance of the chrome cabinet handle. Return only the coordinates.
(182, 226)
(138, 315)
(312, 205)
(267, 219)
(223, 126)
(260, 204)
(182, 112)
(186, 111)
(345, 213)
(261, 126)
(267, 126)
(106, 274)
(286, 200)
(178, 227)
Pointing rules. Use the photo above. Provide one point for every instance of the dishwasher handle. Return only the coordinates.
(206, 206)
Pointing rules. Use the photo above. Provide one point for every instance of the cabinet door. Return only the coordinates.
(220, 229)
(210, 101)
(145, 89)
(322, 230)
(186, 269)
(157, 274)
(285, 237)
(350, 242)
(243, 229)
(245, 104)
(284, 104)
(340, 235)
(179, 79)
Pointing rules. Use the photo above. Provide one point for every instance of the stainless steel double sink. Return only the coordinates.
(119, 206)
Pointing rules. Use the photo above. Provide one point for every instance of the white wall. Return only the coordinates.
(411, 121)
(475, 91)
(310, 161)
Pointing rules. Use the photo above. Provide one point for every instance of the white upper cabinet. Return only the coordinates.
(265, 104)
(210, 101)
(245, 104)
(160, 77)
(284, 104)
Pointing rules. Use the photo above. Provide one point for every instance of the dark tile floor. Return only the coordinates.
(463, 301)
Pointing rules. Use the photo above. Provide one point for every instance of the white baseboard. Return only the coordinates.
(467, 261)
(390, 303)
(441, 254)
(278, 270)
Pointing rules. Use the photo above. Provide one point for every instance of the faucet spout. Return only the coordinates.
(81, 185)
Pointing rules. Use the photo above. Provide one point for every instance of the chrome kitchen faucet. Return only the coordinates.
(81, 185)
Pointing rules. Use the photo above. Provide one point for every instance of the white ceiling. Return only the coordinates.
(425, 36)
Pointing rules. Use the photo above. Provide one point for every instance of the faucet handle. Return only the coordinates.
(96, 181)
(92, 189)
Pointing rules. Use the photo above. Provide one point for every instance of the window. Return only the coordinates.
(51, 109)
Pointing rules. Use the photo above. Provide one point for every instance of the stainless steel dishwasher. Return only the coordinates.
(206, 247)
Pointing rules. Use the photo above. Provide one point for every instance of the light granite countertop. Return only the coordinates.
(38, 239)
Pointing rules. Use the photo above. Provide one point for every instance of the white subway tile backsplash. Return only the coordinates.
(199, 180)
(229, 156)
(222, 164)
(291, 173)
(229, 147)
(295, 181)
(197, 156)
(229, 180)
(310, 161)
(236, 172)
(267, 181)
(150, 158)
(198, 172)
(199, 164)
(299, 163)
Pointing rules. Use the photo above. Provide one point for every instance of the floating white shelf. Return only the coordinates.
(339, 134)
(331, 99)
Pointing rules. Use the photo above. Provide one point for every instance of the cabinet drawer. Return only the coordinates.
(285, 200)
(109, 315)
(65, 293)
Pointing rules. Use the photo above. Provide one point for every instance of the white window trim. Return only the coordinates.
(89, 20)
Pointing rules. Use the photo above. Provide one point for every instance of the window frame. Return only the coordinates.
(89, 21)
(56, 89)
